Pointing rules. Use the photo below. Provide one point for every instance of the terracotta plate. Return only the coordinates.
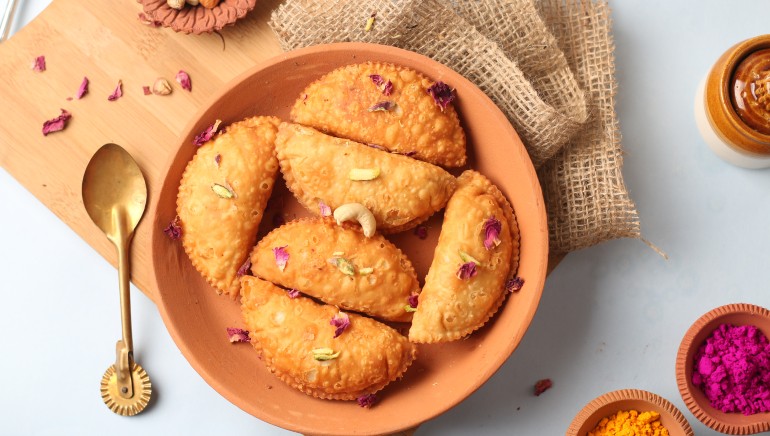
(443, 375)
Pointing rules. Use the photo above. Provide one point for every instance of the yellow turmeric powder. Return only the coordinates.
(630, 423)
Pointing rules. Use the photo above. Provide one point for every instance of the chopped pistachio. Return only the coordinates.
(409, 308)
(344, 265)
(468, 258)
(338, 253)
(324, 354)
(222, 191)
(364, 173)
(369, 23)
(365, 271)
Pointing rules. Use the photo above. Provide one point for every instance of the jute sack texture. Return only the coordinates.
(507, 50)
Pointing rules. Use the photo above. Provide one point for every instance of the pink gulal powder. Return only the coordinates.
(733, 369)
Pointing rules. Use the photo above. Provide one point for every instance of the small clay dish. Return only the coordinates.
(610, 403)
(693, 396)
(197, 19)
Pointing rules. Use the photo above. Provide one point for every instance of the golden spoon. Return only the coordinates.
(115, 196)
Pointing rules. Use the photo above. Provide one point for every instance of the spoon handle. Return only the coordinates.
(124, 275)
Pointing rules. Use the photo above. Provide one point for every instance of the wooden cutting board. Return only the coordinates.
(105, 41)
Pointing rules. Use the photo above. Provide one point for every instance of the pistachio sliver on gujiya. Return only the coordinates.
(319, 350)
(400, 191)
(338, 265)
(477, 252)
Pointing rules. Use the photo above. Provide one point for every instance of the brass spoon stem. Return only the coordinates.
(124, 348)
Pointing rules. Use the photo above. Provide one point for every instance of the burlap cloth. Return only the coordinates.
(548, 65)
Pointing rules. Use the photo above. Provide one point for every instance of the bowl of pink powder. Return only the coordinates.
(723, 369)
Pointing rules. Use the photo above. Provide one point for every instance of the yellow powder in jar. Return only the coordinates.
(630, 423)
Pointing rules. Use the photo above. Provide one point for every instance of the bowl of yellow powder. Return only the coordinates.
(630, 412)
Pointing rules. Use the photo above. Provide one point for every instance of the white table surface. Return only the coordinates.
(611, 316)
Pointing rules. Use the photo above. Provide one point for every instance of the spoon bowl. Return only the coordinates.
(115, 197)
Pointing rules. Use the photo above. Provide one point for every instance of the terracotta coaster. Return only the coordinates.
(197, 19)
(694, 398)
(629, 399)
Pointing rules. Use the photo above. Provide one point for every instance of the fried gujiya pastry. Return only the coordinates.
(477, 251)
(317, 349)
(401, 192)
(387, 105)
(338, 265)
(222, 197)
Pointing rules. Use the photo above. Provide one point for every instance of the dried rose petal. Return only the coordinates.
(383, 106)
(542, 386)
(39, 64)
(184, 80)
(281, 257)
(367, 400)
(218, 159)
(378, 147)
(83, 90)
(117, 93)
(385, 87)
(341, 321)
(413, 300)
(421, 231)
(293, 293)
(325, 209)
(467, 271)
(173, 230)
(146, 90)
(514, 285)
(492, 229)
(146, 20)
(442, 94)
(244, 269)
(56, 124)
(408, 153)
(206, 135)
(237, 335)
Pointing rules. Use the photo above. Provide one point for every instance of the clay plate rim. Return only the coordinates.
(409, 403)
(694, 398)
(626, 399)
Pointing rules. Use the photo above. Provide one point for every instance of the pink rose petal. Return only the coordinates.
(184, 80)
(341, 321)
(492, 229)
(293, 293)
(56, 124)
(39, 64)
(367, 400)
(83, 90)
(442, 94)
(413, 300)
(244, 269)
(237, 335)
(379, 81)
(117, 93)
(206, 135)
(281, 257)
(383, 106)
(146, 90)
(324, 208)
(514, 285)
(467, 271)
(421, 231)
(173, 230)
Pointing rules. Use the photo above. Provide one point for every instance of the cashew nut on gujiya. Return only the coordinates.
(357, 212)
